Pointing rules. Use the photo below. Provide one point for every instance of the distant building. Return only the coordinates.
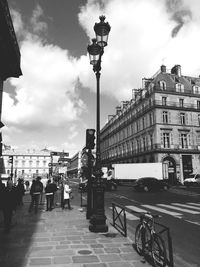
(160, 124)
(26, 164)
(74, 167)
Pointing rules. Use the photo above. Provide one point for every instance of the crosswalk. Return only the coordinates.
(178, 210)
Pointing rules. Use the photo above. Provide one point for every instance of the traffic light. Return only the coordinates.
(10, 159)
(90, 137)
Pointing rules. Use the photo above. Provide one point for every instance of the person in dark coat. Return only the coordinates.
(20, 192)
(35, 192)
(2, 188)
(50, 190)
(9, 198)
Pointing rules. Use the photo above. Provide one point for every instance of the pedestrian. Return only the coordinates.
(35, 191)
(49, 191)
(27, 183)
(2, 188)
(66, 194)
(9, 198)
(55, 188)
(20, 192)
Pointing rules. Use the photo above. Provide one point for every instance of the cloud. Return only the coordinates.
(46, 94)
(142, 34)
(38, 26)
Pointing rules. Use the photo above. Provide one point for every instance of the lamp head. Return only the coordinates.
(102, 30)
(94, 51)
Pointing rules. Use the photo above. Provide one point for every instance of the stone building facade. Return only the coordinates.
(27, 164)
(161, 123)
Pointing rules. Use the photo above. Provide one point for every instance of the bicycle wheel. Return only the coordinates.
(158, 251)
(142, 238)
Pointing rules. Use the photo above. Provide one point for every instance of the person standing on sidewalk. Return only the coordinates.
(35, 191)
(20, 192)
(66, 194)
(49, 191)
(9, 204)
(2, 188)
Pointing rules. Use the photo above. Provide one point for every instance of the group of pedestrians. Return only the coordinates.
(11, 196)
(37, 189)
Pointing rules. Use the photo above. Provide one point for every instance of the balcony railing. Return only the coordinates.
(154, 148)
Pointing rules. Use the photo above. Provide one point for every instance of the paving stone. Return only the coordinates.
(73, 237)
(40, 261)
(110, 258)
(127, 249)
(85, 259)
(120, 264)
(78, 246)
(112, 250)
(62, 247)
(95, 265)
(61, 260)
(58, 238)
(99, 251)
(96, 246)
(130, 256)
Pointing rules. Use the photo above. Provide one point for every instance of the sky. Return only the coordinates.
(53, 103)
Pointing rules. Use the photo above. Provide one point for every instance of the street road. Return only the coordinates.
(180, 211)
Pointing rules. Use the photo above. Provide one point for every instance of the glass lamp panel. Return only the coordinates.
(94, 59)
(102, 40)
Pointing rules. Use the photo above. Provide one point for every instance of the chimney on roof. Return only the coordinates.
(118, 110)
(163, 69)
(124, 104)
(176, 70)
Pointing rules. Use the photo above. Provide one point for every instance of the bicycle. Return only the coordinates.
(147, 241)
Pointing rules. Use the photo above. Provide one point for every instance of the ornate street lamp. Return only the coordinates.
(96, 50)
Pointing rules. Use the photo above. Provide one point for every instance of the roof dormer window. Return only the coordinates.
(179, 87)
(196, 89)
(162, 85)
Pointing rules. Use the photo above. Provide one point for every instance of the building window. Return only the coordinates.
(181, 102)
(143, 123)
(182, 118)
(166, 140)
(151, 140)
(165, 117)
(179, 88)
(164, 101)
(184, 140)
(198, 138)
(199, 119)
(144, 143)
(163, 85)
(198, 104)
(196, 89)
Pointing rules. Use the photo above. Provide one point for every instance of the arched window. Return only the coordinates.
(162, 85)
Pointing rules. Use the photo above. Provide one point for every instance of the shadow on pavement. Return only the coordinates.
(15, 245)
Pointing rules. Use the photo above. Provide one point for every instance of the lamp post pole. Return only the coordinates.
(96, 50)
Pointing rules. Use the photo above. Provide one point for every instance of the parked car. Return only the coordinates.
(150, 184)
(193, 179)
